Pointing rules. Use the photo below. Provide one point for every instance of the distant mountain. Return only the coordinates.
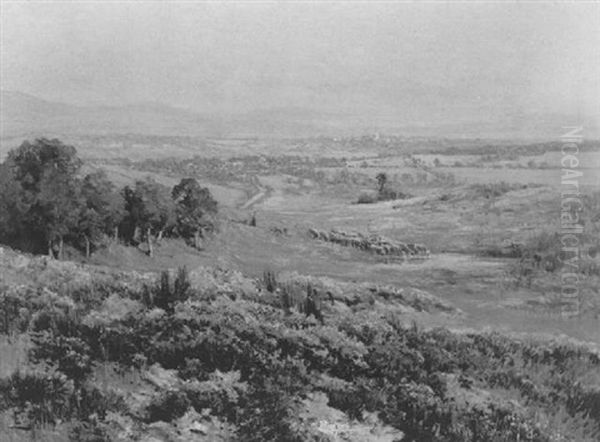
(23, 115)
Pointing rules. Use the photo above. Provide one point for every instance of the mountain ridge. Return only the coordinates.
(25, 114)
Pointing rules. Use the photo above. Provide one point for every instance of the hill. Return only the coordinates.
(24, 115)
(92, 353)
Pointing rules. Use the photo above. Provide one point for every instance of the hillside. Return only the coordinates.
(220, 356)
(23, 114)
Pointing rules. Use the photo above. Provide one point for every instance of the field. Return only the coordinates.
(485, 213)
(447, 212)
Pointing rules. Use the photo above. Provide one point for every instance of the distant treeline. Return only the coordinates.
(512, 149)
(45, 202)
(243, 168)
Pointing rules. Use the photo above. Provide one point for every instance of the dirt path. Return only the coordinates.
(263, 193)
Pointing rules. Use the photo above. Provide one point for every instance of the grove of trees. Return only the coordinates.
(45, 202)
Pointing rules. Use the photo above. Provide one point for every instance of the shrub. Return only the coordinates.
(91, 403)
(391, 195)
(88, 432)
(166, 293)
(269, 281)
(221, 392)
(71, 355)
(15, 311)
(252, 364)
(168, 406)
(38, 397)
(367, 198)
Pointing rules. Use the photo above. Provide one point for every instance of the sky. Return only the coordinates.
(411, 60)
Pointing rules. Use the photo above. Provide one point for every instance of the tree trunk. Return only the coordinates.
(137, 234)
(87, 247)
(60, 248)
(149, 239)
(197, 239)
(50, 251)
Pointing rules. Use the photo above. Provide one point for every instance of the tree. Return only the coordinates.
(10, 207)
(103, 210)
(56, 211)
(195, 208)
(381, 181)
(150, 208)
(32, 160)
(46, 189)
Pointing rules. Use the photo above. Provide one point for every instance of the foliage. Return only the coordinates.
(104, 208)
(168, 406)
(43, 396)
(149, 206)
(249, 364)
(269, 281)
(366, 198)
(46, 191)
(70, 354)
(167, 292)
(45, 203)
(88, 432)
(384, 193)
(38, 397)
(391, 195)
(381, 181)
(195, 207)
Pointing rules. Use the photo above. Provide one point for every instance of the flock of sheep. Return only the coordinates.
(372, 243)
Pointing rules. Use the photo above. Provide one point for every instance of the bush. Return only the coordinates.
(166, 293)
(383, 195)
(269, 281)
(71, 355)
(15, 311)
(38, 397)
(367, 198)
(391, 195)
(252, 365)
(88, 432)
(168, 406)
(221, 392)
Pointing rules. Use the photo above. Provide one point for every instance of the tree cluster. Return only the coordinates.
(45, 202)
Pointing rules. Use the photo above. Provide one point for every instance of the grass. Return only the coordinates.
(465, 222)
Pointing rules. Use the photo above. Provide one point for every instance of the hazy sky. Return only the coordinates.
(459, 59)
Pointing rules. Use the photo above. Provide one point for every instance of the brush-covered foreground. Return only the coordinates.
(213, 355)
